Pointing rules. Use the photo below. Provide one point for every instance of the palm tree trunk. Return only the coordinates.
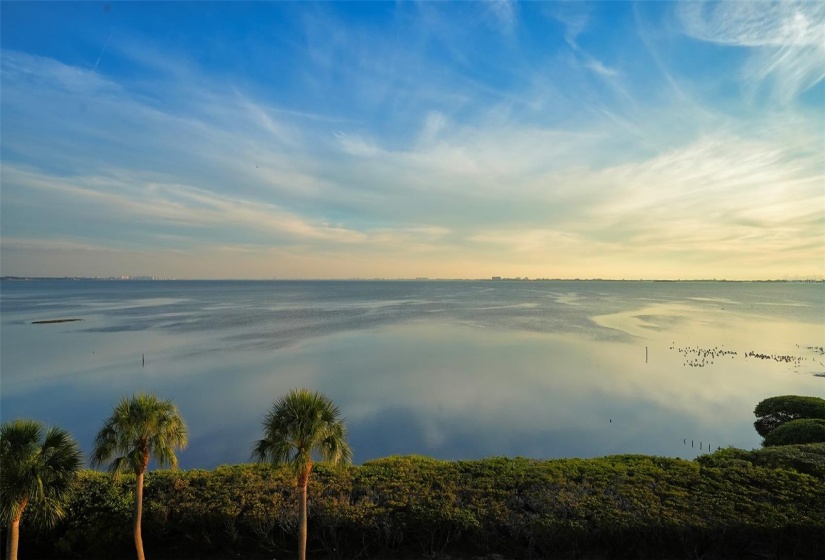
(13, 539)
(14, 534)
(302, 523)
(303, 481)
(138, 514)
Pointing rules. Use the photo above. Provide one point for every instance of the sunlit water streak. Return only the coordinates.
(447, 369)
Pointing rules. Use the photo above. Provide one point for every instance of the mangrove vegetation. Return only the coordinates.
(762, 503)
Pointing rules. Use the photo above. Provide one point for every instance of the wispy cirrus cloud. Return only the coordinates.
(356, 145)
(504, 13)
(463, 157)
(575, 17)
(126, 197)
(719, 198)
(788, 39)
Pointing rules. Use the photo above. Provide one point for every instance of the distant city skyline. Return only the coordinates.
(611, 140)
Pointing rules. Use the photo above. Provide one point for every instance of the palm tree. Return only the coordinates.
(140, 427)
(37, 471)
(301, 424)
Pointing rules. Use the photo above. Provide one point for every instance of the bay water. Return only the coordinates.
(447, 369)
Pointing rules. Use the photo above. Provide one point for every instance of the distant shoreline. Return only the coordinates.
(794, 280)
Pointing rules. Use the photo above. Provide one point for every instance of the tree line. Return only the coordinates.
(37, 468)
(389, 504)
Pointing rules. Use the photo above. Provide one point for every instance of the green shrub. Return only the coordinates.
(808, 459)
(729, 504)
(807, 430)
(775, 411)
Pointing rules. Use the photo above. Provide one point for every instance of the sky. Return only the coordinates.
(413, 139)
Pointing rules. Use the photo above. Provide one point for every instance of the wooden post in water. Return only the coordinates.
(645, 354)
(143, 360)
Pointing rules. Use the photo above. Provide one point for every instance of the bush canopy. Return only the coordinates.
(775, 411)
(765, 503)
(807, 430)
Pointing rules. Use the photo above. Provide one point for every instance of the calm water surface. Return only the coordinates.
(454, 370)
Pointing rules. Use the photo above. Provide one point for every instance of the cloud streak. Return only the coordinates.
(426, 154)
(787, 37)
(504, 12)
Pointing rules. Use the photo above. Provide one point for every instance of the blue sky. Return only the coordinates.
(439, 139)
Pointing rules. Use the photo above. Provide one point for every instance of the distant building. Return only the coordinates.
(496, 277)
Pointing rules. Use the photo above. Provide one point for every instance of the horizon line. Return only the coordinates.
(146, 278)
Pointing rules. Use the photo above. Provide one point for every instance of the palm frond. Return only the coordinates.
(300, 424)
(140, 426)
(36, 471)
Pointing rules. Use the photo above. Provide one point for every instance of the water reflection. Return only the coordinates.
(427, 371)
